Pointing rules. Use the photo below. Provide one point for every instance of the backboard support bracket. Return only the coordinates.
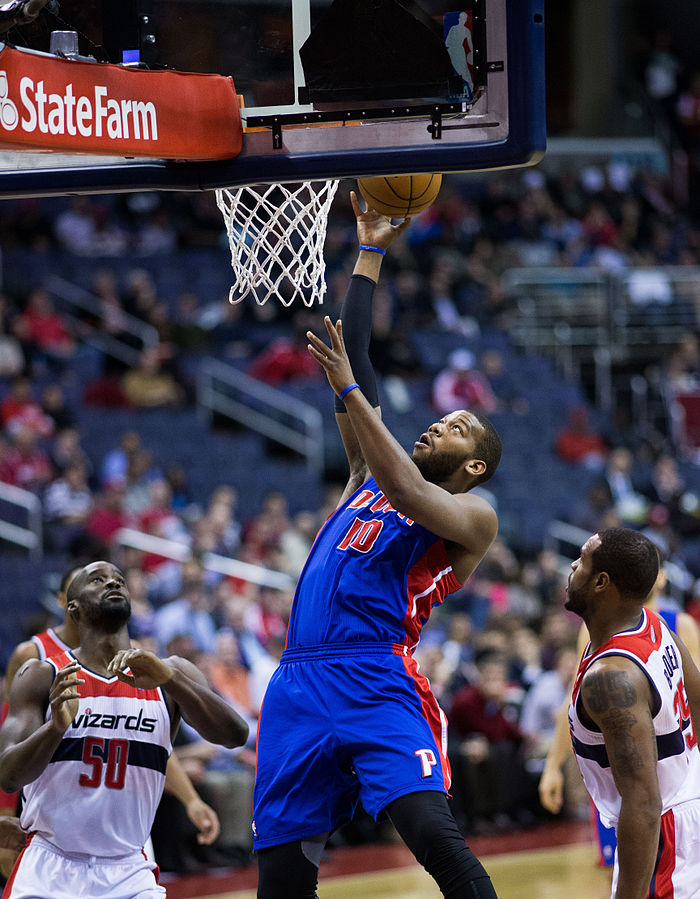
(357, 116)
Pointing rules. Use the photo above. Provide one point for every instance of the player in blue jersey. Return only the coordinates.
(347, 716)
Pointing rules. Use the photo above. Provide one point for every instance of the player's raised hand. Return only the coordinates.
(147, 670)
(333, 358)
(373, 228)
(64, 697)
(205, 820)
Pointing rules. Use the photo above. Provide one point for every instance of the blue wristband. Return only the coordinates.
(364, 246)
(346, 390)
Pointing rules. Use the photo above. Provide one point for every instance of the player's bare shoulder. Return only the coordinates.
(35, 668)
(479, 530)
(32, 681)
(480, 518)
(22, 653)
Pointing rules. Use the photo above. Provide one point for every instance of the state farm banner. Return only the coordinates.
(70, 106)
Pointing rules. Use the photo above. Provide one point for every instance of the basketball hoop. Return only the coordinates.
(276, 233)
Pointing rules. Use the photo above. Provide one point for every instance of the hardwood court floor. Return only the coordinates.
(550, 863)
(539, 874)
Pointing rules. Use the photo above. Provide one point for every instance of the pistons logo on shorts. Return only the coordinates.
(427, 761)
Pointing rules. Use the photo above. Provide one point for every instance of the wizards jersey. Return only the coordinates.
(49, 644)
(652, 647)
(107, 773)
(372, 575)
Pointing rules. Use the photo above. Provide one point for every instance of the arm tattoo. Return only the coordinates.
(609, 690)
(622, 746)
(609, 696)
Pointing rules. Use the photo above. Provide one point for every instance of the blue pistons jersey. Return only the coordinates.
(372, 575)
(348, 716)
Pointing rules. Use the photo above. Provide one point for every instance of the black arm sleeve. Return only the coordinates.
(356, 316)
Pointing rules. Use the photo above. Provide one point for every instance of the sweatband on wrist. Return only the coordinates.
(356, 316)
(364, 246)
(346, 390)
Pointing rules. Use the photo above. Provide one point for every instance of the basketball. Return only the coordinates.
(399, 196)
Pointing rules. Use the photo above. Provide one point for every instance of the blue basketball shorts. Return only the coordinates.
(340, 724)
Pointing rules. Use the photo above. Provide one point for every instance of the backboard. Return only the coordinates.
(328, 88)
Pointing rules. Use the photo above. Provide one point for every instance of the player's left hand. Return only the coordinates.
(373, 228)
(147, 670)
(12, 837)
(333, 358)
(205, 820)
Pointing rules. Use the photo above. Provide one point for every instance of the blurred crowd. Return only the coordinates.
(500, 655)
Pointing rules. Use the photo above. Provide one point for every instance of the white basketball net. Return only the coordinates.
(276, 233)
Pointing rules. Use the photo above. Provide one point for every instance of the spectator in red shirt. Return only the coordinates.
(462, 386)
(109, 514)
(486, 756)
(287, 359)
(160, 520)
(19, 410)
(579, 444)
(25, 465)
(598, 226)
(45, 330)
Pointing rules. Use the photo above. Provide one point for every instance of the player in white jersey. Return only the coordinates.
(630, 719)
(53, 642)
(88, 744)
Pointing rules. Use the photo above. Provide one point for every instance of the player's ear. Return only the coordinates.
(475, 467)
(602, 580)
(72, 609)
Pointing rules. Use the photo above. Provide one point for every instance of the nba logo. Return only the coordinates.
(457, 32)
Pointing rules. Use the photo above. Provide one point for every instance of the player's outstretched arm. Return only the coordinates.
(27, 741)
(377, 231)
(615, 694)
(464, 519)
(201, 708)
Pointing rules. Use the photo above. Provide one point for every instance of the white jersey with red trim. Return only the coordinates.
(49, 644)
(99, 793)
(651, 646)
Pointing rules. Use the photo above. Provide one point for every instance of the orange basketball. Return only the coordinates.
(400, 195)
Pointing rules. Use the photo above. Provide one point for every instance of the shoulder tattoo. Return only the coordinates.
(606, 690)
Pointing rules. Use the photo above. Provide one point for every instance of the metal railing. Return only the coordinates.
(30, 537)
(592, 317)
(73, 297)
(224, 390)
(180, 552)
(565, 539)
(588, 307)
